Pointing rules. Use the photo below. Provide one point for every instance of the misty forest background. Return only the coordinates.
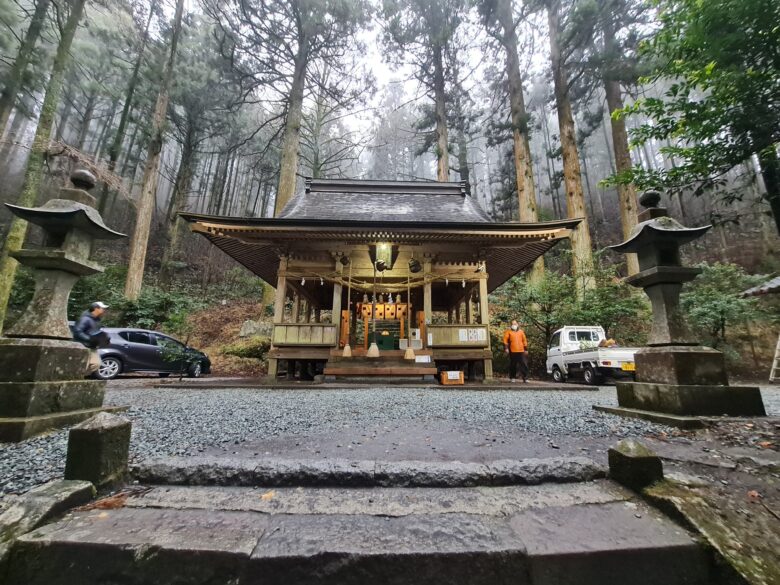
(546, 108)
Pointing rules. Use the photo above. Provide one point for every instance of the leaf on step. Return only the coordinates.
(765, 444)
(754, 496)
(268, 496)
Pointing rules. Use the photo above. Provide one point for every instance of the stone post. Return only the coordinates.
(42, 369)
(98, 450)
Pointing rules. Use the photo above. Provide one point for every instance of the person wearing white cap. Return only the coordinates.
(87, 329)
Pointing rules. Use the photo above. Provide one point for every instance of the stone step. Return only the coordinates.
(15, 429)
(222, 471)
(586, 534)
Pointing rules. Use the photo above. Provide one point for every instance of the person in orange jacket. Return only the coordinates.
(516, 345)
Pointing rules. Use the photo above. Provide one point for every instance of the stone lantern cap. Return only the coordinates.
(59, 216)
(657, 230)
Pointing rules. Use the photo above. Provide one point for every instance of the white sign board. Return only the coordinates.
(422, 359)
(453, 375)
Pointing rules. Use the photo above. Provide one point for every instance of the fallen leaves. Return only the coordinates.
(268, 496)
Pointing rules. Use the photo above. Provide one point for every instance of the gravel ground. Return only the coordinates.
(188, 422)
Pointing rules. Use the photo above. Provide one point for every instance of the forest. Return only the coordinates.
(547, 109)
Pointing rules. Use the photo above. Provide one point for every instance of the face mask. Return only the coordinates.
(514, 327)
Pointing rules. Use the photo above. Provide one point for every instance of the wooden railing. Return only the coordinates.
(458, 336)
(311, 334)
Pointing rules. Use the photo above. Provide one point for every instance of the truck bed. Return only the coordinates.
(600, 354)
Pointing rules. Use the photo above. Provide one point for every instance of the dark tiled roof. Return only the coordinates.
(395, 201)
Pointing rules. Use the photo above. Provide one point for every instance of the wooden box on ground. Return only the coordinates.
(451, 378)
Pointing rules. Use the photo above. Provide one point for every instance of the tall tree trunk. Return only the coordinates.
(181, 189)
(129, 151)
(119, 137)
(140, 239)
(582, 252)
(623, 163)
(526, 188)
(38, 153)
(86, 119)
(104, 132)
(288, 167)
(67, 109)
(554, 193)
(442, 141)
(770, 172)
(463, 158)
(14, 79)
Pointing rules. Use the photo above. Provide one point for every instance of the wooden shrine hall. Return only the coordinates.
(381, 266)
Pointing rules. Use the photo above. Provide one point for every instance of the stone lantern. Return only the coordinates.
(42, 369)
(674, 374)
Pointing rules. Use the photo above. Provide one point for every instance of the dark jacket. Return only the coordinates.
(87, 329)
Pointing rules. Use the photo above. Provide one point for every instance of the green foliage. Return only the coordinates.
(547, 305)
(255, 347)
(713, 306)
(720, 60)
(107, 287)
(155, 307)
(622, 310)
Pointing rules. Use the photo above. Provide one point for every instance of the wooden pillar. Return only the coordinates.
(469, 306)
(306, 310)
(279, 300)
(449, 316)
(484, 318)
(296, 308)
(427, 300)
(457, 313)
(337, 290)
(317, 315)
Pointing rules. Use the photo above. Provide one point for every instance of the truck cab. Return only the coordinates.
(575, 351)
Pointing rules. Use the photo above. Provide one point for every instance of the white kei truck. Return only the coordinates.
(575, 351)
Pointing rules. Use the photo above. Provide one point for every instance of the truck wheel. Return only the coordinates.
(591, 377)
(558, 376)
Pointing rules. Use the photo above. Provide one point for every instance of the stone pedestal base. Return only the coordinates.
(28, 359)
(691, 400)
(42, 387)
(681, 365)
(27, 399)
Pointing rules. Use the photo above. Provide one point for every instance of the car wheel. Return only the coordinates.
(558, 376)
(591, 377)
(195, 370)
(164, 374)
(110, 368)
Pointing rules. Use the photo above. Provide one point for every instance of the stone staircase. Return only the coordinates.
(301, 527)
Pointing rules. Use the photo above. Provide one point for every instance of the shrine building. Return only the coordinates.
(392, 263)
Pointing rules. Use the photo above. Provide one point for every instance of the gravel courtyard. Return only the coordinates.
(359, 423)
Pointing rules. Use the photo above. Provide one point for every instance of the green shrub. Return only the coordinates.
(155, 307)
(713, 306)
(255, 347)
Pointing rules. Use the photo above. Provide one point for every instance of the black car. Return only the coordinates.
(140, 350)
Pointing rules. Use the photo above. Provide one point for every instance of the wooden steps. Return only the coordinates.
(380, 371)
(390, 364)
